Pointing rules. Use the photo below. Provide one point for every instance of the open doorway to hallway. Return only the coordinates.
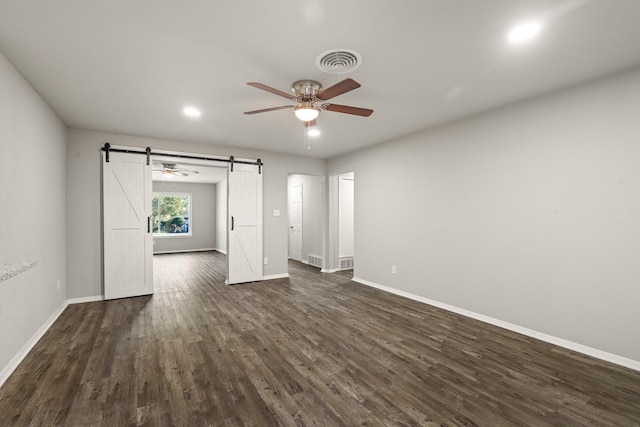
(312, 210)
(306, 211)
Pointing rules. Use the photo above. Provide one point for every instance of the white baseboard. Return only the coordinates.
(221, 251)
(181, 251)
(275, 276)
(17, 359)
(26, 348)
(328, 270)
(560, 342)
(85, 299)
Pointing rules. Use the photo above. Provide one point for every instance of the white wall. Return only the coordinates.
(221, 216)
(529, 214)
(313, 213)
(33, 224)
(84, 201)
(202, 220)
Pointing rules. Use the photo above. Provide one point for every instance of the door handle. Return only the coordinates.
(148, 224)
(232, 223)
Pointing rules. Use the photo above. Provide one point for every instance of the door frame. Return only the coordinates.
(332, 263)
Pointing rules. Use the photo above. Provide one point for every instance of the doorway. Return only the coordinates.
(130, 224)
(186, 211)
(222, 201)
(306, 211)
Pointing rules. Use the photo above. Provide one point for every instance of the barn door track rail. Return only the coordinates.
(147, 152)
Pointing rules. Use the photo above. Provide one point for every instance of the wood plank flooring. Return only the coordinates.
(315, 349)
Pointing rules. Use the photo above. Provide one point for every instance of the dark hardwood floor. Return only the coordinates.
(315, 349)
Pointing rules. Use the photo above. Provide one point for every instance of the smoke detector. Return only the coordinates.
(338, 61)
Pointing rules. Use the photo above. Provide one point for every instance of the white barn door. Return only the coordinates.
(128, 241)
(244, 224)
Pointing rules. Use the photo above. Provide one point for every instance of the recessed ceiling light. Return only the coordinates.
(524, 32)
(313, 132)
(191, 112)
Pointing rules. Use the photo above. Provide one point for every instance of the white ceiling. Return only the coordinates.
(131, 66)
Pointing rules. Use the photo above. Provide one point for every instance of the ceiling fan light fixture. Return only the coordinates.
(306, 112)
(171, 170)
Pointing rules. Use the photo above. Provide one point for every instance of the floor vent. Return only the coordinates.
(346, 263)
(315, 260)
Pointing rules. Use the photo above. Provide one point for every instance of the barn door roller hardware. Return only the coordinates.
(258, 162)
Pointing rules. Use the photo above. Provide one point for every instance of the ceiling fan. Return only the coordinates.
(171, 169)
(307, 94)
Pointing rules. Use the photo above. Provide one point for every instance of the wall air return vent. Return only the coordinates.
(315, 260)
(338, 61)
(346, 263)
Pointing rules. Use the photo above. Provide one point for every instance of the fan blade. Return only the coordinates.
(185, 171)
(338, 89)
(365, 112)
(310, 123)
(272, 90)
(269, 109)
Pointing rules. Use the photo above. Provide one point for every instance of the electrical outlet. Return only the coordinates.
(58, 284)
(393, 269)
(266, 261)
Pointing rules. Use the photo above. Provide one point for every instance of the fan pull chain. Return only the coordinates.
(307, 140)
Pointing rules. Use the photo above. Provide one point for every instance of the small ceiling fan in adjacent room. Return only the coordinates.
(308, 94)
(171, 169)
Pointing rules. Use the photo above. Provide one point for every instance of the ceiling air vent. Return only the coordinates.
(338, 61)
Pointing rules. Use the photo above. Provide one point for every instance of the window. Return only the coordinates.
(171, 214)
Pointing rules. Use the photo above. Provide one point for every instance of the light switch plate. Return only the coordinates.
(276, 212)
